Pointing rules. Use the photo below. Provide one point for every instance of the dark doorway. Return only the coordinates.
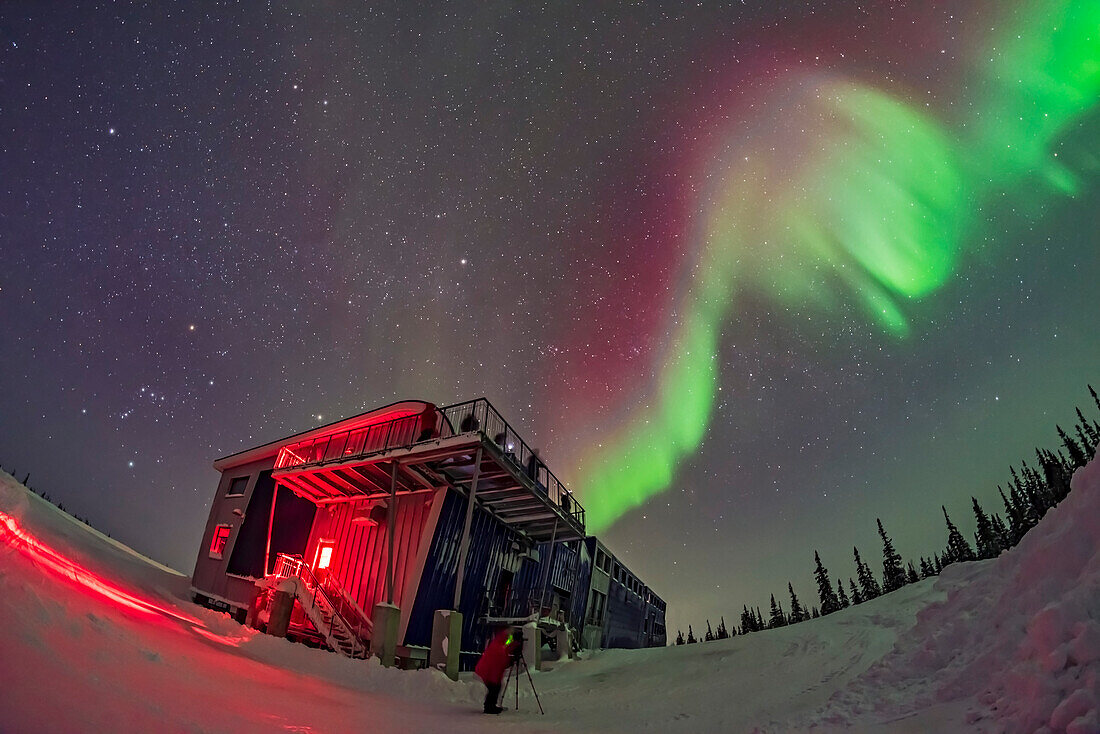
(290, 530)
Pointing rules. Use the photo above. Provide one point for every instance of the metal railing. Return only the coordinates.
(320, 598)
(479, 416)
(471, 417)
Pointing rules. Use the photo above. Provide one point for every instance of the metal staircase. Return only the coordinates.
(335, 615)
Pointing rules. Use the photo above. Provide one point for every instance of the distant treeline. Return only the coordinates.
(1030, 493)
(46, 496)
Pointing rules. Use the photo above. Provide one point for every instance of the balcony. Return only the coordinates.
(433, 450)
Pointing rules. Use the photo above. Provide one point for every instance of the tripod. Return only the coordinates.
(517, 661)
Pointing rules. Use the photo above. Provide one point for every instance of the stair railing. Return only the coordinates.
(320, 608)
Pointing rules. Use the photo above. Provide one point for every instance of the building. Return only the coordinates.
(408, 525)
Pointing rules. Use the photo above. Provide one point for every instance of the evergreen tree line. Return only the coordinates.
(45, 495)
(1031, 493)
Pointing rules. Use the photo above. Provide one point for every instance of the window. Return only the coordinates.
(596, 608)
(323, 557)
(221, 537)
(237, 487)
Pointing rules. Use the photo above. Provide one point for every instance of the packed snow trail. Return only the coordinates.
(98, 638)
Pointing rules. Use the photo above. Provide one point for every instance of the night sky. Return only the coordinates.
(750, 274)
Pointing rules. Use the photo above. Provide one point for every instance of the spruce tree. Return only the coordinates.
(867, 583)
(841, 596)
(829, 601)
(748, 622)
(985, 538)
(1088, 435)
(709, 637)
(1016, 523)
(938, 563)
(911, 576)
(893, 572)
(759, 620)
(957, 547)
(679, 637)
(1076, 453)
(1094, 398)
(925, 568)
(1037, 491)
(1000, 531)
(798, 613)
(1056, 474)
(1027, 508)
(857, 598)
(691, 636)
(722, 633)
(777, 619)
(815, 614)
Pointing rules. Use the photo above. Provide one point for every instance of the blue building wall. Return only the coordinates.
(491, 549)
(490, 541)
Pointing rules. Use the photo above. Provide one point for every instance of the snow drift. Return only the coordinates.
(98, 638)
(1017, 638)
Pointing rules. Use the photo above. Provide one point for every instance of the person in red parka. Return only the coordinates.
(501, 652)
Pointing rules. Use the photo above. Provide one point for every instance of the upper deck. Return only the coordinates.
(431, 449)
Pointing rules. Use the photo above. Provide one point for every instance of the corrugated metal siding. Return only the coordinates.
(625, 617)
(490, 543)
(581, 585)
(361, 553)
(563, 572)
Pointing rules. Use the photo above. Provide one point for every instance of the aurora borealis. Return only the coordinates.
(853, 194)
(750, 275)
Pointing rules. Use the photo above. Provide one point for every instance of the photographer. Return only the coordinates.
(505, 647)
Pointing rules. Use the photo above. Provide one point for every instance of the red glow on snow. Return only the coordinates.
(46, 557)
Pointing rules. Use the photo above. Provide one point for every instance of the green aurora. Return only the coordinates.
(856, 196)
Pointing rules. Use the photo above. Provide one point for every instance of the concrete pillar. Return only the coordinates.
(383, 641)
(563, 643)
(255, 606)
(282, 604)
(532, 645)
(446, 642)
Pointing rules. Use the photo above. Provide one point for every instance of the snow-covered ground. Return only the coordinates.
(97, 638)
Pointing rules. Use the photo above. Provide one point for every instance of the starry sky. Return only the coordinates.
(749, 274)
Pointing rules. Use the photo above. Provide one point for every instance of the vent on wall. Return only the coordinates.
(376, 514)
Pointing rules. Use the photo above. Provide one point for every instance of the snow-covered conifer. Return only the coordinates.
(798, 612)
(829, 601)
(868, 584)
(893, 572)
(957, 547)
(985, 539)
(841, 596)
(1076, 453)
(857, 598)
(777, 619)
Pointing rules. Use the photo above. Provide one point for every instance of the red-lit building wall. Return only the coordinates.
(362, 548)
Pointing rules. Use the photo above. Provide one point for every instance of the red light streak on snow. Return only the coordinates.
(42, 555)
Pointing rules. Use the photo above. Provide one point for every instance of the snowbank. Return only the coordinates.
(1017, 639)
(97, 638)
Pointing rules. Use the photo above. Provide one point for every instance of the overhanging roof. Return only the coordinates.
(378, 415)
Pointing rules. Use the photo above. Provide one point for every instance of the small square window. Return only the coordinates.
(221, 537)
(237, 487)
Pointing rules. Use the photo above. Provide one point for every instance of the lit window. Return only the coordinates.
(221, 537)
(323, 557)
